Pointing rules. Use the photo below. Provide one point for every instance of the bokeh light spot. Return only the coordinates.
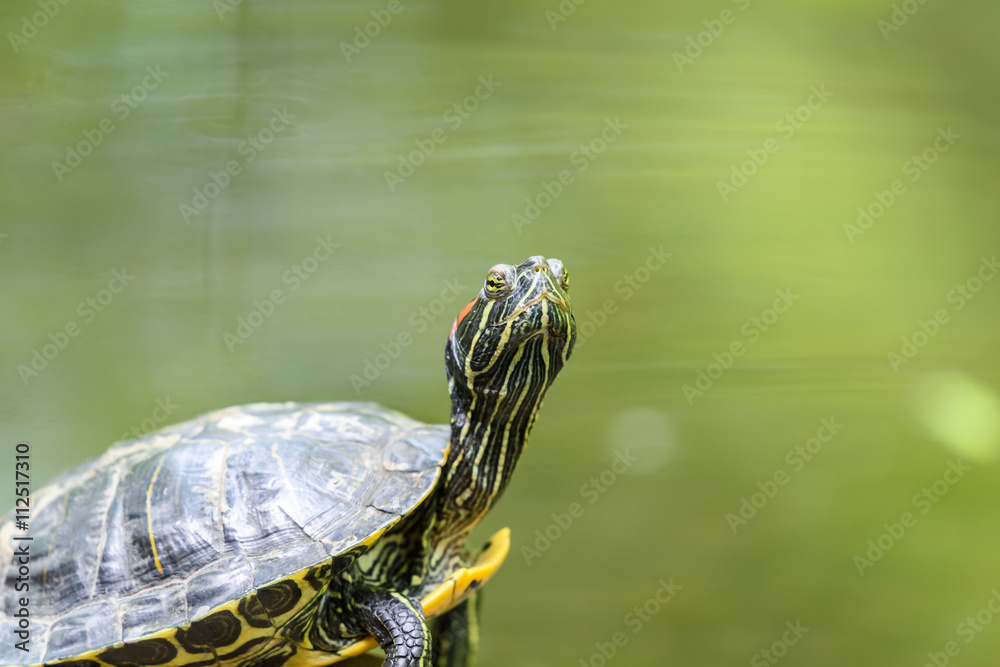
(960, 413)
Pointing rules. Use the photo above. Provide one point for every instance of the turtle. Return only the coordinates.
(293, 534)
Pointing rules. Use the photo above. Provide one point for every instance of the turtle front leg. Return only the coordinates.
(456, 635)
(397, 623)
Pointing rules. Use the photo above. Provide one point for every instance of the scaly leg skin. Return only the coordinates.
(397, 623)
(456, 635)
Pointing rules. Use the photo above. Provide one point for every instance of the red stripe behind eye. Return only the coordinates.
(461, 316)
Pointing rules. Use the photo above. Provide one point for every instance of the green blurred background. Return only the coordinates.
(868, 87)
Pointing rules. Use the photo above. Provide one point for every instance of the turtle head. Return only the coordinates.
(514, 337)
(505, 349)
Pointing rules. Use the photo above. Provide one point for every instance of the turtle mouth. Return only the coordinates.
(556, 299)
(546, 314)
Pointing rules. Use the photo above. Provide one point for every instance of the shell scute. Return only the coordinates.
(140, 654)
(147, 612)
(215, 631)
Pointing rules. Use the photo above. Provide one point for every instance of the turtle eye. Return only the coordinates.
(560, 273)
(497, 283)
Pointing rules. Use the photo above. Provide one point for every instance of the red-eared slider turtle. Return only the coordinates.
(289, 535)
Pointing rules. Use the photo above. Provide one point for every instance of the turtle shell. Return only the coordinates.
(226, 509)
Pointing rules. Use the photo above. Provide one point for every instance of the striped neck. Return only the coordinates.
(491, 418)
